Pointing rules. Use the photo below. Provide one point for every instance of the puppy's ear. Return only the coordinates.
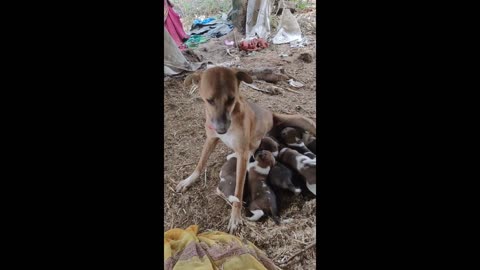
(192, 78)
(243, 76)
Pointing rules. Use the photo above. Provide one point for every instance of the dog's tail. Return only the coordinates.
(295, 120)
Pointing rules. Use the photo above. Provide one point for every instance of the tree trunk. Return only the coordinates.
(238, 15)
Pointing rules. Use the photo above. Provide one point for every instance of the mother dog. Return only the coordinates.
(238, 123)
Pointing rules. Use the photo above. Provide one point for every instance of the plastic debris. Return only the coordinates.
(295, 84)
(289, 30)
(299, 43)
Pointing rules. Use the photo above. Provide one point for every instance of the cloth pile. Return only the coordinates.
(211, 250)
(211, 28)
(173, 25)
(194, 40)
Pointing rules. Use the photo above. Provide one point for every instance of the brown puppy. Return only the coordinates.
(239, 124)
(293, 139)
(302, 164)
(269, 144)
(281, 176)
(264, 200)
(311, 142)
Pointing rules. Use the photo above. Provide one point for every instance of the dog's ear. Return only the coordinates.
(243, 76)
(192, 78)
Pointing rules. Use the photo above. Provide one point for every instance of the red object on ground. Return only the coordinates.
(253, 45)
(174, 25)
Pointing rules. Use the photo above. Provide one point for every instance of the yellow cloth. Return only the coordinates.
(188, 250)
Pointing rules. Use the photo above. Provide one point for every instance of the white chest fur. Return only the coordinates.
(227, 139)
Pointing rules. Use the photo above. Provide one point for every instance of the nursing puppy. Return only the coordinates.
(302, 164)
(269, 144)
(226, 186)
(264, 201)
(281, 176)
(310, 141)
(293, 139)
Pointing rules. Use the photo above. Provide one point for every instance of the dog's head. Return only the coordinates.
(264, 158)
(291, 135)
(219, 87)
(268, 144)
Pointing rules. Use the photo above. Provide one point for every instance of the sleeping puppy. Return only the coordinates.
(263, 199)
(302, 164)
(293, 139)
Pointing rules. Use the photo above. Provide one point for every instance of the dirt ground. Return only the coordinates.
(185, 134)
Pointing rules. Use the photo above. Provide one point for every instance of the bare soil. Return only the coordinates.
(185, 134)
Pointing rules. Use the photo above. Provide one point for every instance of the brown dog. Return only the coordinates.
(239, 124)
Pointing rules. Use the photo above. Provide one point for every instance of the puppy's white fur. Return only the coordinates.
(233, 199)
(303, 161)
(257, 168)
(257, 214)
(312, 188)
(301, 144)
(232, 155)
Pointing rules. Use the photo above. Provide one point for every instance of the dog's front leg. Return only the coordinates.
(236, 215)
(208, 148)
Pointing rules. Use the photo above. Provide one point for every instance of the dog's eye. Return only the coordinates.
(230, 100)
(211, 101)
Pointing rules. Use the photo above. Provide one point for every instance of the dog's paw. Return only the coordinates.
(184, 184)
(234, 223)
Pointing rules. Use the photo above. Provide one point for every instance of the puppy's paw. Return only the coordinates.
(309, 162)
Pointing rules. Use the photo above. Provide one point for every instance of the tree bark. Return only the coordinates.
(238, 15)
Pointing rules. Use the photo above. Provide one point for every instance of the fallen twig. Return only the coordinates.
(193, 88)
(287, 262)
(288, 89)
(205, 178)
(256, 88)
(185, 164)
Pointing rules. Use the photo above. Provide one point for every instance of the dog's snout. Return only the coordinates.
(222, 124)
(221, 130)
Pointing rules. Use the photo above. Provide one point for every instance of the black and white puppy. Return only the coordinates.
(304, 165)
(292, 137)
